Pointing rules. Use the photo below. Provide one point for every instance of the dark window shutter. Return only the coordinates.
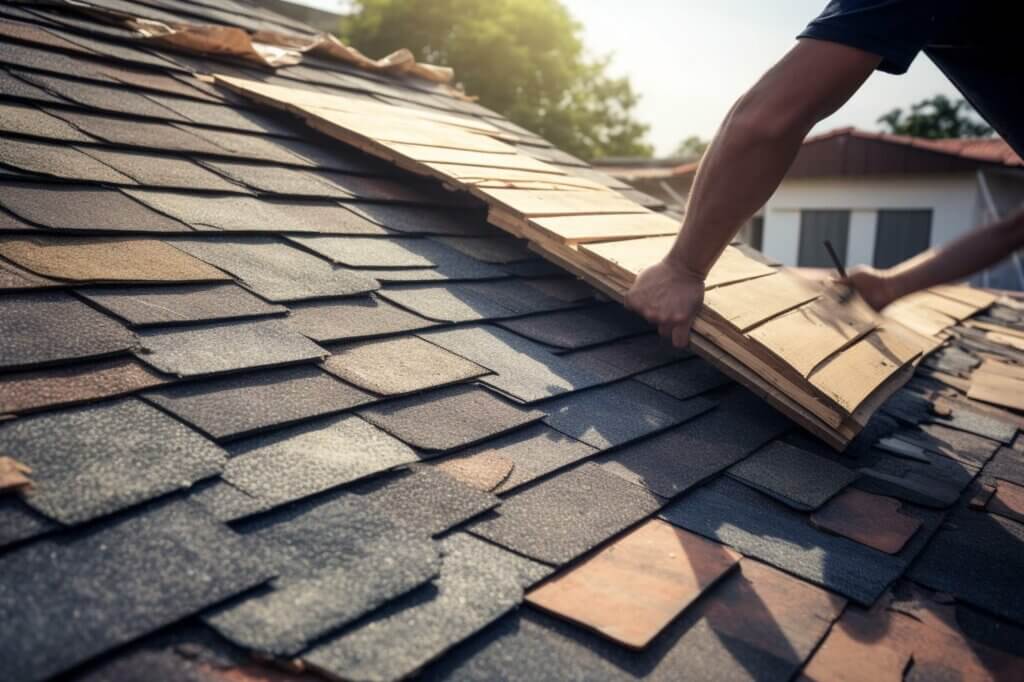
(901, 234)
(815, 228)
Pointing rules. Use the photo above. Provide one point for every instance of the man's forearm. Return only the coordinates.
(958, 259)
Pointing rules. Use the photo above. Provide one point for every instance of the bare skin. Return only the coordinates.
(956, 260)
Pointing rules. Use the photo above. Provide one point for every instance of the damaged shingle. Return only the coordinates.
(793, 476)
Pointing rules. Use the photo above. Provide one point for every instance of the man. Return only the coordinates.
(969, 40)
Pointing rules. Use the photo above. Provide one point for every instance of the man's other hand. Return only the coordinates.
(874, 286)
(668, 297)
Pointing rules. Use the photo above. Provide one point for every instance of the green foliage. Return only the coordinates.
(522, 58)
(936, 118)
(691, 149)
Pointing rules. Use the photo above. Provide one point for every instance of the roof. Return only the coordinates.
(849, 151)
(279, 401)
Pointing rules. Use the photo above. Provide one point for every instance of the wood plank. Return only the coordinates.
(921, 319)
(1014, 342)
(947, 306)
(430, 154)
(966, 294)
(995, 389)
(531, 203)
(989, 366)
(425, 133)
(603, 228)
(507, 178)
(805, 337)
(997, 328)
(853, 375)
(744, 305)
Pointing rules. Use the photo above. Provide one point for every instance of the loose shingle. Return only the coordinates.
(81, 207)
(573, 329)
(600, 418)
(478, 584)
(978, 558)
(148, 305)
(93, 259)
(58, 161)
(47, 327)
(968, 448)
(77, 383)
(277, 180)
(415, 220)
(335, 562)
(143, 134)
(24, 119)
(303, 460)
(523, 369)
(225, 347)
(759, 527)
(793, 476)
(871, 520)
(276, 271)
(398, 366)
(449, 418)
(672, 462)
(120, 579)
(684, 379)
(154, 170)
(237, 406)
(355, 318)
(90, 461)
(632, 588)
(973, 421)
(562, 517)
(365, 252)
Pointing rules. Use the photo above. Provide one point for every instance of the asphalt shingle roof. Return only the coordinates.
(361, 450)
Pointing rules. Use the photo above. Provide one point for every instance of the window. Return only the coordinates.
(900, 235)
(815, 228)
(752, 233)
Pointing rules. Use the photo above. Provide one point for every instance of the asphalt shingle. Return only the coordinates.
(573, 329)
(81, 207)
(366, 252)
(52, 326)
(277, 180)
(355, 318)
(793, 476)
(236, 406)
(145, 306)
(90, 461)
(449, 418)
(141, 134)
(423, 221)
(123, 579)
(684, 379)
(219, 347)
(154, 170)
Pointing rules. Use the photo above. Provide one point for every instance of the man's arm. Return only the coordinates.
(954, 261)
(744, 165)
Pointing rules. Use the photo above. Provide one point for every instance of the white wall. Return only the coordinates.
(952, 199)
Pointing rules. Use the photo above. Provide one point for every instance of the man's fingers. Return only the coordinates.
(681, 335)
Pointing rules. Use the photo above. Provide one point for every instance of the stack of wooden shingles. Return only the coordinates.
(999, 379)
(827, 365)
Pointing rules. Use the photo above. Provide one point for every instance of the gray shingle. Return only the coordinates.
(81, 207)
(122, 579)
(478, 584)
(90, 461)
(416, 220)
(497, 249)
(236, 406)
(562, 517)
(220, 347)
(143, 134)
(612, 415)
(276, 271)
(355, 318)
(449, 418)
(366, 252)
(268, 179)
(46, 327)
(102, 97)
(153, 170)
(445, 302)
(793, 476)
(573, 329)
(684, 379)
(626, 357)
(148, 305)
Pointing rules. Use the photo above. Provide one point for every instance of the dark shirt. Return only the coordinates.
(975, 43)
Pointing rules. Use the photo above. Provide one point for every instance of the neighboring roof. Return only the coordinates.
(849, 151)
(351, 423)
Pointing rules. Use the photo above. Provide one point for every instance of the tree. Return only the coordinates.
(691, 149)
(523, 58)
(936, 118)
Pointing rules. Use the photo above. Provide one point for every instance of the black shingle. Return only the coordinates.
(793, 476)
(684, 379)
(122, 579)
(573, 329)
(143, 134)
(153, 170)
(81, 207)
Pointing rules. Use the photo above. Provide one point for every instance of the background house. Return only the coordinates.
(878, 198)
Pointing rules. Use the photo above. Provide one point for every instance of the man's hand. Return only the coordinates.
(874, 286)
(669, 297)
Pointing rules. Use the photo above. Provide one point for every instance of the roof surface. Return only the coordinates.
(279, 401)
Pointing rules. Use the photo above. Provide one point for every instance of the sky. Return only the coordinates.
(691, 59)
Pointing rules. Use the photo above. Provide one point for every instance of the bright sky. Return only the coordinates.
(691, 59)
